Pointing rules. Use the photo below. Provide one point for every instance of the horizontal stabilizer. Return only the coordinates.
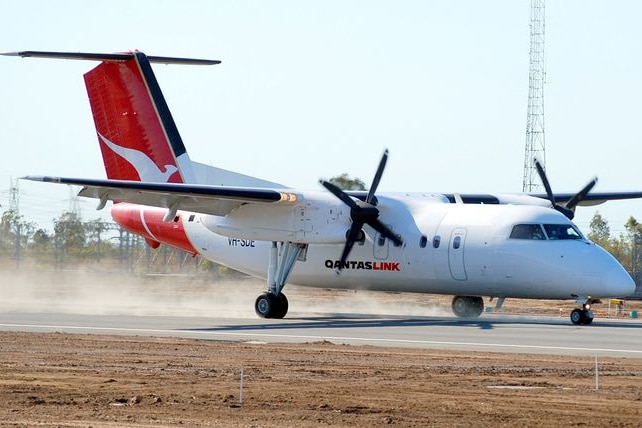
(113, 57)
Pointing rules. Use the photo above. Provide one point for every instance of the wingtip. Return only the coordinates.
(41, 178)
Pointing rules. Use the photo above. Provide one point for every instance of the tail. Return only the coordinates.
(138, 137)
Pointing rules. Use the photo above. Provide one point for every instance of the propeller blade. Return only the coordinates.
(353, 236)
(339, 194)
(547, 185)
(377, 177)
(566, 211)
(362, 213)
(579, 196)
(385, 231)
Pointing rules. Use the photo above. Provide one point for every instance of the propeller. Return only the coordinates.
(567, 209)
(362, 213)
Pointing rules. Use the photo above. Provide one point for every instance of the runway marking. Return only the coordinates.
(321, 337)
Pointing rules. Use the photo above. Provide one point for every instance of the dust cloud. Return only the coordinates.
(87, 292)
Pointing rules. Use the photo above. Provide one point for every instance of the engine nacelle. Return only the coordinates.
(301, 222)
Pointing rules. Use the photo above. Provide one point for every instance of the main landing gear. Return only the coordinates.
(273, 303)
(269, 305)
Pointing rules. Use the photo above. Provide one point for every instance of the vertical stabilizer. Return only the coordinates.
(136, 132)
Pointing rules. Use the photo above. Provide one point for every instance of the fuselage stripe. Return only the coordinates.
(144, 223)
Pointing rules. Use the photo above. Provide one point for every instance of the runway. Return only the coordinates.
(490, 333)
(74, 302)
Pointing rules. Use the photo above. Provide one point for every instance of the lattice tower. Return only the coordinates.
(535, 142)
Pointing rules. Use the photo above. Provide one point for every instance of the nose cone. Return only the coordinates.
(619, 283)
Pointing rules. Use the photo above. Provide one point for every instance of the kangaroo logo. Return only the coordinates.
(145, 167)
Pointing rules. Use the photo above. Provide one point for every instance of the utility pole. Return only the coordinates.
(535, 142)
(14, 207)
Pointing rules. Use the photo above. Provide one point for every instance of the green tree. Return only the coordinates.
(600, 233)
(41, 243)
(599, 230)
(344, 182)
(634, 234)
(15, 232)
(94, 232)
(69, 234)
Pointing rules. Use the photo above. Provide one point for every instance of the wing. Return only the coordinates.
(215, 200)
(593, 198)
(590, 199)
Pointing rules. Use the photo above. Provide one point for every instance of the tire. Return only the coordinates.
(282, 306)
(467, 306)
(577, 317)
(265, 305)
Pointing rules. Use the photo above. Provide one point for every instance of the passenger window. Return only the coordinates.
(527, 231)
(435, 241)
(191, 217)
(562, 231)
(423, 241)
(457, 242)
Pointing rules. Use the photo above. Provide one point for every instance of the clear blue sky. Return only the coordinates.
(314, 89)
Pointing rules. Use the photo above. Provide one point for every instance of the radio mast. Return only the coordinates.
(535, 142)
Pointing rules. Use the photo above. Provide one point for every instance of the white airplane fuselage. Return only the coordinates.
(455, 249)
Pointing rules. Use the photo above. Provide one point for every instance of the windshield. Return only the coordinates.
(562, 231)
(527, 231)
(553, 232)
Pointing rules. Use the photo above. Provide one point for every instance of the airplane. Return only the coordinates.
(470, 246)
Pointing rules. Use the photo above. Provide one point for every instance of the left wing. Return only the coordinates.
(215, 200)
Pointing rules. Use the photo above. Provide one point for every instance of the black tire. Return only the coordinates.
(265, 305)
(282, 306)
(578, 316)
(467, 306)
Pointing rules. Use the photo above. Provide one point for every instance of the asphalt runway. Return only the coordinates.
(490, 333)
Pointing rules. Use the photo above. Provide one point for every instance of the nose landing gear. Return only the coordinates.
(582, 316)
(467, 306)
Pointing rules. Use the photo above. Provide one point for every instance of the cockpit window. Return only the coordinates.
(527, 231)
(562, 231)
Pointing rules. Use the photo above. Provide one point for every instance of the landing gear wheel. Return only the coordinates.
(268, 305)
(581, 317)
(265, 304)
(576, 316)
(467, 306)
(281, 307)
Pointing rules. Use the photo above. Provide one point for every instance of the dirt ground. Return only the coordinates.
(93, 381)
(65, 380)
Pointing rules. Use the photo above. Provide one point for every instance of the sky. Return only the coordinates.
(310, 90)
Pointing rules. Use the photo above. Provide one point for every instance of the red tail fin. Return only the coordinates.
(136, 132)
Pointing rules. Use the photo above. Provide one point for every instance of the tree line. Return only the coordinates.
(102, 244)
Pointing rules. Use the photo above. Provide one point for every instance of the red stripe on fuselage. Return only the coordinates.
(148, 223)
